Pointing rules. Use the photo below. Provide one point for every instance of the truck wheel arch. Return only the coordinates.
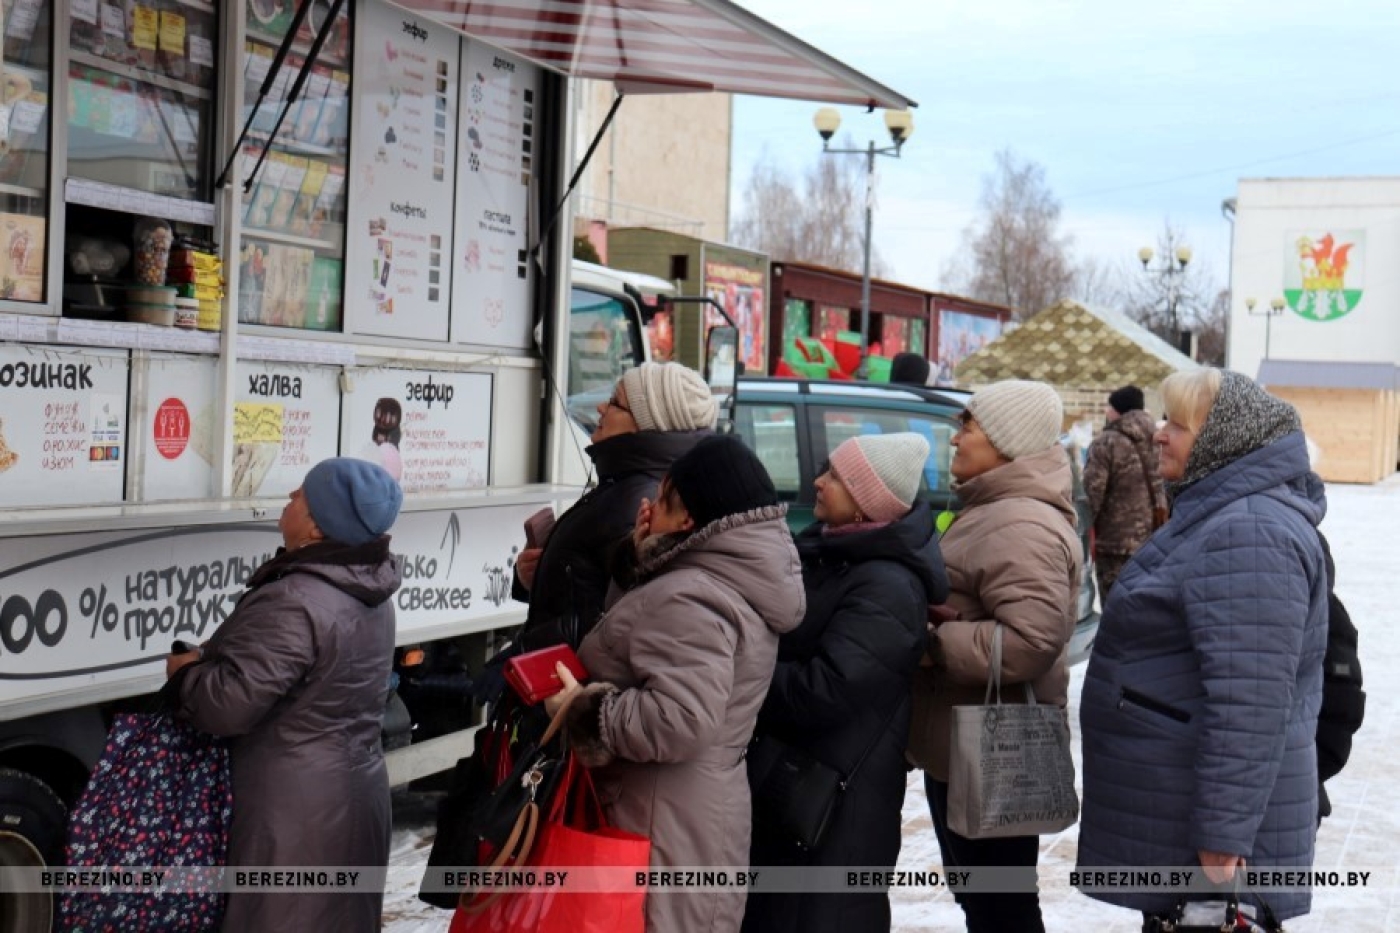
(33, 824)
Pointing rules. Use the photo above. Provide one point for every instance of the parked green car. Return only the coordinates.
(794, 424)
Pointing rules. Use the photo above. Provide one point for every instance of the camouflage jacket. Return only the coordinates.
(1117, 487)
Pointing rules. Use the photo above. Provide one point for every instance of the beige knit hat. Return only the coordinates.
(669, 397)
(1018, 416)
(881, 472)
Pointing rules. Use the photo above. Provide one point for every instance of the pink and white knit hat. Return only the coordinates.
(881, 472)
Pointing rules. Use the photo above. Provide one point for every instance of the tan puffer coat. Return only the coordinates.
(1013, 558)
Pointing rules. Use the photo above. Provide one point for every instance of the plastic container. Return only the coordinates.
(186, 313)
(150, 314)
(151, 295)
(153, 240)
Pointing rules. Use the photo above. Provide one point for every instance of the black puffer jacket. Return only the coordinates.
(842, 686)
(571, 581)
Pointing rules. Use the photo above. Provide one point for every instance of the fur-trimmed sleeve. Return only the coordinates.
(583, 726)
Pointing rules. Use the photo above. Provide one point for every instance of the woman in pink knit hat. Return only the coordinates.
(841, 690)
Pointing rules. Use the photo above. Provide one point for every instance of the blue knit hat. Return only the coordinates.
(352, 501)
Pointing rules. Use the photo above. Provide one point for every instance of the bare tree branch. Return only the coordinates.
(1017, 255)
(817, 218)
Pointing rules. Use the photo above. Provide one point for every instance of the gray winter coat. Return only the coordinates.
(681, 664)
(298, 676)
(1200, 702)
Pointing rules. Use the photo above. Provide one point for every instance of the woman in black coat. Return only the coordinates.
(656, 413)
(871, 568)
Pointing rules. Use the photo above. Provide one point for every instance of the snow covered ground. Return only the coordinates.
(1363, 832)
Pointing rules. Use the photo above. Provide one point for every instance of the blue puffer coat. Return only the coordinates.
(1200, 703)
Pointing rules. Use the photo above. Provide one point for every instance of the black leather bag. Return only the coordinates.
(793, 791)
(479, 811)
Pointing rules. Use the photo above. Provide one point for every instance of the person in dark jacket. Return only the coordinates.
(657, 412)
(841, 691)
(1122, 483)
(909, 369)
(297, 677)
(1343, 701)
(1199, 708)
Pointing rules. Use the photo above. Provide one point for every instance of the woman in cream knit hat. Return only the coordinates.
(840, 694)
(1013, 561)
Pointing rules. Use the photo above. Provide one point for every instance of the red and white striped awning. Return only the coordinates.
(653, 46)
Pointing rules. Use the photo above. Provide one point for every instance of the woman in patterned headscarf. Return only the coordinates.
(1200, 703)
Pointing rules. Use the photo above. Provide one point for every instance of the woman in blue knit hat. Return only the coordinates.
(297, 678)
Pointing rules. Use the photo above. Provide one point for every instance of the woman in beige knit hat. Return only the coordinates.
(1013, 561)
(656, 413)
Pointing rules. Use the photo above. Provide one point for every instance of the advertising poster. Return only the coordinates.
(178, 455)
(742, 293)
(959, 336)
(431, 430)
(496, 139)
(92, 609)
(21, 257)
(399, 246)
(62, 426)
(284, 423)
(1324, 272)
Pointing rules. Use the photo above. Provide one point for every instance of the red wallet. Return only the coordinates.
(533, 677)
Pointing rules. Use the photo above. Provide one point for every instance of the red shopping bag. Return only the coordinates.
(574, 836)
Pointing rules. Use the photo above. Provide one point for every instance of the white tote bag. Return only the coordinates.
(1010, 772)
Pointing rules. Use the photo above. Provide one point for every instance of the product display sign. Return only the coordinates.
(95, 609)
(500, 97)
(62, 426)
(176, 424)
(284, 423)
(398, 268)
(431, 430)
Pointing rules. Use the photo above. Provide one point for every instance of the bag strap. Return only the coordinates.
(521, 840)
(1147, 478)
(994, 673)
(517, 846)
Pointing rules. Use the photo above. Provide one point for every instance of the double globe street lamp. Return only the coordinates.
(1272, 310)
(1171, 271)
(900, 123)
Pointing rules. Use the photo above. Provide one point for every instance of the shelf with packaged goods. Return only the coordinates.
(289, 239)
(139, 75)
(199, 5)
(298, 48)
(135, 201)
(284, 143)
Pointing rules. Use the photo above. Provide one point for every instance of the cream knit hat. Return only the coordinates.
(1018, 416)
(669, 397)
(881, 472)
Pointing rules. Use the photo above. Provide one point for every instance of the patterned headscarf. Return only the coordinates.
(1243, 419)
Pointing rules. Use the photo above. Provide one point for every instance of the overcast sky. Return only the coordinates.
(1139, 112)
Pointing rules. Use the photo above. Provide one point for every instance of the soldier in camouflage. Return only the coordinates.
(1123, 484)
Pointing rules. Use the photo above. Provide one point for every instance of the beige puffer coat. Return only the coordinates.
(680, 667)
(1013, 557)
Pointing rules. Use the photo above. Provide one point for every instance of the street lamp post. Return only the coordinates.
(900, 123)
(1171, 271)
(1275, 308)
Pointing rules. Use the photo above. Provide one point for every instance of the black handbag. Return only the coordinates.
(1214, 916)
(479, 811)
(793, 791)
